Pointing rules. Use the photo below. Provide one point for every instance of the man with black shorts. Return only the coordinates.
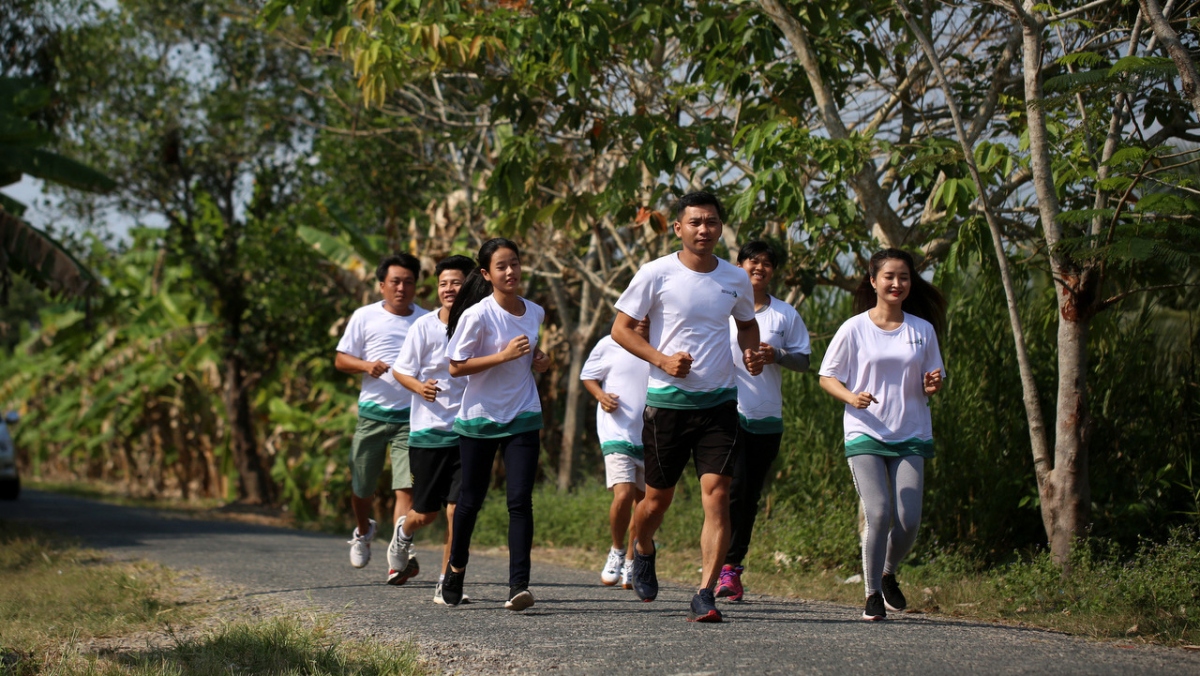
(691, 398)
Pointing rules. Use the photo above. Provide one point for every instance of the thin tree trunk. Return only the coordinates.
(1178, 53)
(253, 484)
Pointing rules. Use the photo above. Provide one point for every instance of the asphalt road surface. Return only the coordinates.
(577, 625)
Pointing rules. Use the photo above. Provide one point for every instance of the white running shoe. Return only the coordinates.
(398, 551)
(611, 574)
(437, 596)
(360, 546)
(627, 574)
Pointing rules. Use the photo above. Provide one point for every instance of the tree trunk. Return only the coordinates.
(1066, 493)
(1178, 53)
(253, 483)
(574, 410)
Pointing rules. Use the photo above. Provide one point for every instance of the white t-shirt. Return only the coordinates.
(502, 400)
(689, 312)
(760, 398)
(624, 375)
(423, 357)
(891, 365)
(374, 334)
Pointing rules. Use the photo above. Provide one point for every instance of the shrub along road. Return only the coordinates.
(577, 625)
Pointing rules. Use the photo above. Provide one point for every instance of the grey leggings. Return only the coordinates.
(890, 490)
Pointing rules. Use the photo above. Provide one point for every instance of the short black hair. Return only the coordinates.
(406, 261)
(698, 199)
(756, 248)
(461, 263)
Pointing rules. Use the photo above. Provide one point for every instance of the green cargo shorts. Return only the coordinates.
(369, 447)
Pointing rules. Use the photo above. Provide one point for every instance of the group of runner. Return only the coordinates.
(692, 370)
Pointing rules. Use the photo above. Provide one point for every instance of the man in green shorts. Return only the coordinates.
(371, 342)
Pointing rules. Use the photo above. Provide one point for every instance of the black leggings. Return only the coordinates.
(520, 464)
(750, 468)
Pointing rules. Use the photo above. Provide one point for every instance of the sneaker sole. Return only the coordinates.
(725, 593)
(520, 601)
(892, 608)
(874, 618)
(397, 577)
(711, 616)
(606, 583)
(626, 585)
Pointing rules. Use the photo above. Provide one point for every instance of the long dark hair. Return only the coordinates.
(475, 288)
(924, 300)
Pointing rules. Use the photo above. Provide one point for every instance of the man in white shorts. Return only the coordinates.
(372, 340)
(618, 380)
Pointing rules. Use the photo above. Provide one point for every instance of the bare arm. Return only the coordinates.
(843, 394)
(350, 364)
(748, 340)
(426, 390)
(608, 401)
(517, 347)
(677, 365)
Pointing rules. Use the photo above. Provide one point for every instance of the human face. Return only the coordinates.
(761, 270)
(504, 272)
(398, 289)
(699, 227)
(449, 283)
(892, 282)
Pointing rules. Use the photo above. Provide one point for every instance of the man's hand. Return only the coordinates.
(863, 400)
(429, 390)
(767, 352)
(753, 360)
(517, 347)
(677, 365)
(541, 361)
(378, 368)
(933, 382)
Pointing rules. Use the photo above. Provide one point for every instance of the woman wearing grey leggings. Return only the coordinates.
(884, 364)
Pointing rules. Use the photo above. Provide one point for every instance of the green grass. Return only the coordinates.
(55, 598)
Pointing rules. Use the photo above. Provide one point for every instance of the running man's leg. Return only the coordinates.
(870, 475)
(649, 516)
(521, 452)
(667, 436)
(714, 537)
(449, 538)
(908, 485)
(402, 476)
(476, 456)
(368, 449)
(622, 473)
(750, 470)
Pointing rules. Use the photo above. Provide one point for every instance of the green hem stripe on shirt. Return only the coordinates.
(432, 438)
(622, 448)
(865, 445)
(482, 428)
(675, 398)
(761, 425)
(372, 411)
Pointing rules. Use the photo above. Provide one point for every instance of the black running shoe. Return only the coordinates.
(452, 587)
(875, 610)
(893, 599)
(645, 581)
(704, 608)
(519, 597)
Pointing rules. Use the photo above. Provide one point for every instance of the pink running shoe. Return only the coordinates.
(729, 584)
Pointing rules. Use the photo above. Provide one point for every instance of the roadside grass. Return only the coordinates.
(58, 602)
(1150, 595)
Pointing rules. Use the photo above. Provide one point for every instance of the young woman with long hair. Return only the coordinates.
(493, 334)
(884, 363)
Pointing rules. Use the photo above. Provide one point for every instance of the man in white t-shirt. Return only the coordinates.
(691, 400)
(372, 339)
(617, 380)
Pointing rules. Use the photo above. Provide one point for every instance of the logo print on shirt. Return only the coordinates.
(732, 293)
(918, 341)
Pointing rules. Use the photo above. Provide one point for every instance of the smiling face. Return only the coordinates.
(761, 270)
(892, 281)
(504, 271)
(700, 228)
(449, 283)
(399, 288)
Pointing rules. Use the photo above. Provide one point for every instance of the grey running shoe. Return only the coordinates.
(398, 550)
(704, 608)
(875, 610)
(645, 581)
(519, 597)
(360, 546)
(893, 599)
(452, 587)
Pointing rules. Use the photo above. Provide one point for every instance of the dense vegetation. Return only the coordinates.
(262, 189)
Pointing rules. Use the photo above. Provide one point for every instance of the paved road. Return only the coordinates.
(577, 625)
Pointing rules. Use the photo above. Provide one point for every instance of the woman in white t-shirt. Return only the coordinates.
(493, 335)
(884, 363)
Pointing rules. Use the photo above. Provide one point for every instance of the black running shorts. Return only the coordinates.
(673, 436)
(436, 477)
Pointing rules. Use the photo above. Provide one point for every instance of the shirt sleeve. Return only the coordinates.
(837, 361)
(408, 362)
(352, 342)
(467, 339)
(597, 365)
(639, 295)
(933, 356)
(796, 338)
(743, 307)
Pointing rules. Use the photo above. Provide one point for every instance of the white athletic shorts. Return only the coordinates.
(623, 469)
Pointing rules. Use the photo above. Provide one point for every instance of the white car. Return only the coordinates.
(10, 481)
